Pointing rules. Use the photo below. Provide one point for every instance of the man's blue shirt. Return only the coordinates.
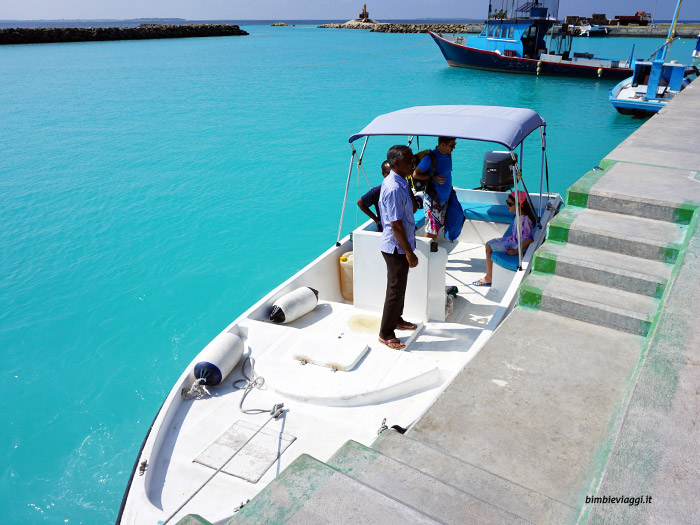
(371, 198)
(396, 204)
(443, 167)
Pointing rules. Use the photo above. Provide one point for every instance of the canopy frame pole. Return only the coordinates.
(521, 155)
(542, 170)
(518, 225)
(519, 176)
(345, 199)
(359, 164)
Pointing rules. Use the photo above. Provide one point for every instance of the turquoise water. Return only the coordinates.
(151, 191)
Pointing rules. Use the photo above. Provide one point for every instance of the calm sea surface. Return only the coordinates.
(150, 191)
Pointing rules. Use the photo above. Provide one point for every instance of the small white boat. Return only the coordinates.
(326, 377)
(654, 82)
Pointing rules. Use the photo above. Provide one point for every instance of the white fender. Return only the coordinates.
(218, 358)
(293, 305)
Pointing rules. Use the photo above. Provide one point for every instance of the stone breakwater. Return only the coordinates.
(690, 31)
(410, 28)
(47, 35)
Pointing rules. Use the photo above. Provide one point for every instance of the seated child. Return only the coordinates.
(509, 244)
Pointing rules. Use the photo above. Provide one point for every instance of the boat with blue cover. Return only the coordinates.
(654, 82)
(271, 387)
(524, 41)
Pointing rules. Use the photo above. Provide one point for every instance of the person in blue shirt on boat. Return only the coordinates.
(397, 244)
(435, 202)
(371, 198)
(509, 244)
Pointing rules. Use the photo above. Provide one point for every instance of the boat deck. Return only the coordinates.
(383, 384)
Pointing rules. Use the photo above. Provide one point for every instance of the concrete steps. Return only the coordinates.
(310, 492)
(592, 303)
(603, 267)
(398, 480)
(486, 486)
(411, 486)
(615, 270)
(624, 234)
(624, 188)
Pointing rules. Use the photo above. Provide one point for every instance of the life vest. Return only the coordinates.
(424, 185)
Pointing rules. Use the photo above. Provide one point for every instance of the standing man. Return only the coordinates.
(397, 244)
(371, 198)
(435, 203)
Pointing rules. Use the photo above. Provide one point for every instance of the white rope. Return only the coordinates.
(197, 391)
(250, 382)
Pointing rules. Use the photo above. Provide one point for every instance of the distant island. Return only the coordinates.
(50, 35)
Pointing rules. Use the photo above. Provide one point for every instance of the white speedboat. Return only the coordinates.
(262, 393)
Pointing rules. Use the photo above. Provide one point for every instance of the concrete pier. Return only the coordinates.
(590, 388)
(584, 405)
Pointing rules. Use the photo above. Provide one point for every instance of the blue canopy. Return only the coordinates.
(503, 125)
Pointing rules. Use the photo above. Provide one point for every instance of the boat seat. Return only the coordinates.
(480, 211)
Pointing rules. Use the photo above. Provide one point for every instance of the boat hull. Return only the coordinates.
(627, 107)
(458, 55)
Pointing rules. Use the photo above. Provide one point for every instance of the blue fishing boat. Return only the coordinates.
(654, 82)
(526, 43)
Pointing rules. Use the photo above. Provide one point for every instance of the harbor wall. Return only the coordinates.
(409, 28)
(690, 31)
(46, 35)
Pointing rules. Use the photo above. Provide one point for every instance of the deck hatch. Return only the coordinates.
(254, 459)
(334, 352)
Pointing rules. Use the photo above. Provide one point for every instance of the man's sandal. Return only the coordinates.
(405, 325)
(394, 344)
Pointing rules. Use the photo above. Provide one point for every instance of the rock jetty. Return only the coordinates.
(690, 31)
(46, 35)
(378, 27)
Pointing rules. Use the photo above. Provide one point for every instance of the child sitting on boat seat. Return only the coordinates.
(371, 198)
(509, 244)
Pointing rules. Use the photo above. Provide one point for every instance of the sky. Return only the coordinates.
(314, 9)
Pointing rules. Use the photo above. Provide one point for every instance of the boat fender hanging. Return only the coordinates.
(219, 358)
(600, 72)
(539, 67)
(293, 305)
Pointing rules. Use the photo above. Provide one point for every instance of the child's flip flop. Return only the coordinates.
(480, 282)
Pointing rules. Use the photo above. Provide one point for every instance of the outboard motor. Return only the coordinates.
(497, 174)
